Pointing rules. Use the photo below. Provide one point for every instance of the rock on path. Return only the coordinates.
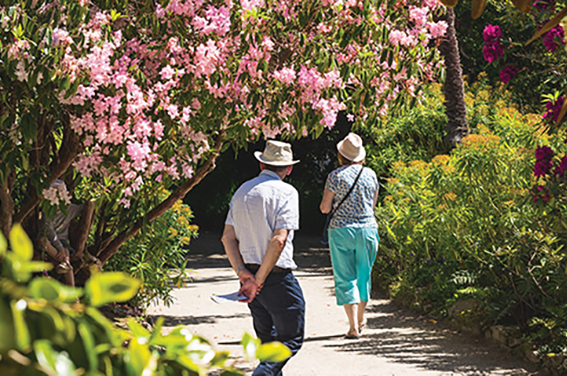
(395, 342)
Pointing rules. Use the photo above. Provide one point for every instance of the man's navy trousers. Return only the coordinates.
(278, 313)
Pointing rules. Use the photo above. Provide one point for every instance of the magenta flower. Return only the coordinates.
(492, 51)
(491, 33)
(507, 73)
(550, 41)
(561, 167)
(544, 156)
(553, 109)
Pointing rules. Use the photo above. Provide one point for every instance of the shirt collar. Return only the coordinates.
(269, 173)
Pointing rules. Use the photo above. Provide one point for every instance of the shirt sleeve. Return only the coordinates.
(229, 220)
(331, 183)
(287, 217)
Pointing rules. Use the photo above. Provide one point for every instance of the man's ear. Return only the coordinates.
(288, 170)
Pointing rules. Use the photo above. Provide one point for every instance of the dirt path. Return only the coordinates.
(395, 342)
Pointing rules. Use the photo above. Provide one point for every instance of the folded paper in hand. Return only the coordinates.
(234, 297)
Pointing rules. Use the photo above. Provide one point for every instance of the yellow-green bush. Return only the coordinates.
(465, 225)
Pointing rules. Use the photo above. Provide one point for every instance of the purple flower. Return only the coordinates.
(549, 40)
(492, 51)
(553, 109)
(544, 156)
(507, 73)
(491, 33)
(561, 167)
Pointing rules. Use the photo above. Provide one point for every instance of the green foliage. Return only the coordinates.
(156, 256)
(465, 226)
(45, 330)
(414, 134)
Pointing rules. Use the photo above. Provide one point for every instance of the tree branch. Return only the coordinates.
(70, 148)
(176, 195)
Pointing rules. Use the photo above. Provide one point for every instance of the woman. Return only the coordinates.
(353, 231)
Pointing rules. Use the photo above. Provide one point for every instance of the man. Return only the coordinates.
(257, 239)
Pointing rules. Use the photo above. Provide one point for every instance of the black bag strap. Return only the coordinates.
(348, 193)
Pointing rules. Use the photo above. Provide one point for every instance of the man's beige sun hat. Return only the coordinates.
(276, 153)
(351, 148)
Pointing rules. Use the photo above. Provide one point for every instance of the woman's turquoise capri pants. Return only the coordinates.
(353, 252)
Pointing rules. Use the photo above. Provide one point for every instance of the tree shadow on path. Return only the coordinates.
(403, 337)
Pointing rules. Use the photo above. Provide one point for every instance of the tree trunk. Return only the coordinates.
(112, 247)
(6, 208)
(453, 88)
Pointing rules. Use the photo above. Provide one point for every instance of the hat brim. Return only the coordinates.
(258, 155)
(358, 158)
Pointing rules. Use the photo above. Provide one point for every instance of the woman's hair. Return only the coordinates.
(343, 161)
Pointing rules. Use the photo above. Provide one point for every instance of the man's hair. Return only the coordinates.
(276, 169)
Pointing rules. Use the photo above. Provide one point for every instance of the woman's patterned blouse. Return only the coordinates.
(357, 210)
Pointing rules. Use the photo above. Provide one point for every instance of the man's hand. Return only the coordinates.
(249, 289)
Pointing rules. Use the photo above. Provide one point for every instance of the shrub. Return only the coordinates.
(45, 330)
(465, 226)
(156, 256)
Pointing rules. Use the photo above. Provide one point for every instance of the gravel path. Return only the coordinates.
(395, 342)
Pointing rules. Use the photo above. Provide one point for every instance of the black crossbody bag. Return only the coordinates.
(325, 238)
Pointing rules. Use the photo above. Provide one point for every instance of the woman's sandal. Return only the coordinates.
(351, 335)
(361, 325)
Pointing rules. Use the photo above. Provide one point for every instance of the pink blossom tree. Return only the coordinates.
(123, 99)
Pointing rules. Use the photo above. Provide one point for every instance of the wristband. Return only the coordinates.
(239, 269)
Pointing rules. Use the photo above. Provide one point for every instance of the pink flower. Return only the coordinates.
(285, 75)
(396, 36)
(437, 29)
(418, 16)
(167, 72)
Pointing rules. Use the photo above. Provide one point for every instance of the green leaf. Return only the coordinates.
(23, 340)
(220, 358)
(52, 290)
(7, 331)
(49, 359)
(21, 243)
(138, 330)
(103, 288)
(85, 332)
(273, 352)
(250, 345)
(138, 358)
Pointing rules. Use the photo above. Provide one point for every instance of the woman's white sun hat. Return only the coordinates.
(351, 148)
(276, 153)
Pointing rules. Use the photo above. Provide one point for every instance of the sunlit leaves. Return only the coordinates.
(523, 5)
(477, 8)
(273, 352)
(109, 287)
